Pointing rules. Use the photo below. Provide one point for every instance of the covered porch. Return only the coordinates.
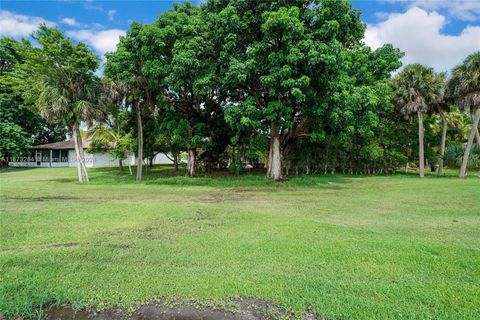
(57, 154)
(42, 158)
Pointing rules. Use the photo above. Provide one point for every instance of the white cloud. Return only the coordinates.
(417, 33)
(70, 21)
(111, 14)
(466, 10)
(88, 4)
(17, 25)
(102, 41)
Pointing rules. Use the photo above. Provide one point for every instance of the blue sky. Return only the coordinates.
(435, 32)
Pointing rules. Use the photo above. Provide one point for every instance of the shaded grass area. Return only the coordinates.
(344, 247)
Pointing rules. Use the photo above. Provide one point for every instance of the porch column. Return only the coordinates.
(50, 157)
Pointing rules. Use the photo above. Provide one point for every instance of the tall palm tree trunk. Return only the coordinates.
(140, 143)
(81, 167)
(477, 133)
(442, 147)
(421, 155)
(466, 154)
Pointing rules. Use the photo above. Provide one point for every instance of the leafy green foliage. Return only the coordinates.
(21, 124)
(59, 78)
(110, 140)
(14, 142)
(417, 89)
(464, 85)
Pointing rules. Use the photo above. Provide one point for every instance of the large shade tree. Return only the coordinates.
(278, 57)
(464, 87)
(58, 77)
(189, 78)
(417, 89)
(20, 123)
(352, 123)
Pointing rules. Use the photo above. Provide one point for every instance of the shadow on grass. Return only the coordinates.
(448, 173)
(166, 175)
(15, 169)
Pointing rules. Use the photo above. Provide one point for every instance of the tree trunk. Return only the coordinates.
(276, 163)
(175, 161)
(463, 168)
(477, 136)
(81, 167)
(421, 155)
(140, 143)
(269, 160)
(325, 169)
(150, 162)
(477, 133)
(442, 147)
(192, 158)
(120, 164)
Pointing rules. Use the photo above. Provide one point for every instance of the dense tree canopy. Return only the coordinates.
(20, 124)
(287, 84)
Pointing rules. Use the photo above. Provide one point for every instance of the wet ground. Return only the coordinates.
(243, 309)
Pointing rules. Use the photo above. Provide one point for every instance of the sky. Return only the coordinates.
(438, 33)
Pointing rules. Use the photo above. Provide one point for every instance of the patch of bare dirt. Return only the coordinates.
(242, 309)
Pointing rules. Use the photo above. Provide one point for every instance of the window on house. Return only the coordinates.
(45, 156)
(64, 155)
(55, 155)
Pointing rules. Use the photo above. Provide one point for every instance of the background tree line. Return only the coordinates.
(285, 84)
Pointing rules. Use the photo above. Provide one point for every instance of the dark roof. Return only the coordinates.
(63, 145)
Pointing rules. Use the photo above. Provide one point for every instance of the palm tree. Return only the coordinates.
(111, 140)
(464, 87)
(417, 90)
(107, 135)
(59, 77)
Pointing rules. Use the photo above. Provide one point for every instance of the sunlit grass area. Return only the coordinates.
(343, 247)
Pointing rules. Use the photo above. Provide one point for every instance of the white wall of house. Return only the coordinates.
(161, 158)
(92, 160)
(31, 164)
(97, 160)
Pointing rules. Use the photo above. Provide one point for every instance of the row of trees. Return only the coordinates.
(419, 90)
(250, 74)
(286, 83)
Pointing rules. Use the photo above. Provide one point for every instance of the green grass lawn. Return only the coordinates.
(385, 247)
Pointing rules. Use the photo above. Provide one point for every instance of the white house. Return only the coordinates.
(62, 154)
